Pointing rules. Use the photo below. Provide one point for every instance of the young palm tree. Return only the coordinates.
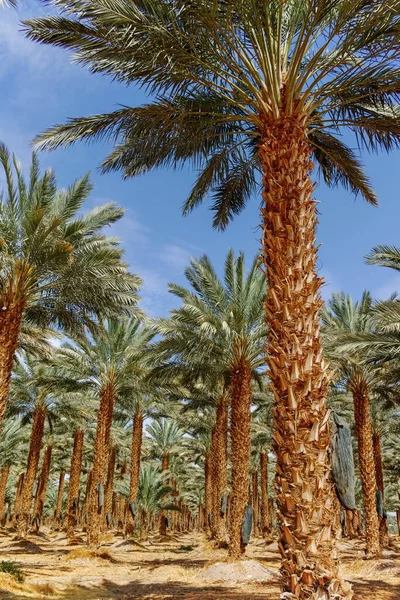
(256, 93)
(106, 364)
(341, 317)
(219, 329)
(56, 265)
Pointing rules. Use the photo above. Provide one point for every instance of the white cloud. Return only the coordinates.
(155, 298)
(175, 256)
(389, 288)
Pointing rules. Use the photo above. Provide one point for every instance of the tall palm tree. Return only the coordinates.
(165, 438)
(106, 364)
(219, 329)
(13, 438)
(254, 94)
(56, 265)
(341, 316)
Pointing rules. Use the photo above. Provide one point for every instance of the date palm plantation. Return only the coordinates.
(255, 95)
(57, 268)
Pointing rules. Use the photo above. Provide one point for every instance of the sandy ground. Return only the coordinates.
(170, 569)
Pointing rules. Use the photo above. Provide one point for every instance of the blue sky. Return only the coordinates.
(40, 87)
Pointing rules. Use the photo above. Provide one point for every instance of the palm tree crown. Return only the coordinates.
(332, 65)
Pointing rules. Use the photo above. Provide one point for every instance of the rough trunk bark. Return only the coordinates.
(383, 524)
(104, 420)
(18, 499)
(11, 312)
(303, 485)
(73, 486)
(136, 452)
(57, 513)
(35, 445)
(240, 451)
(110, 484)
(218, 467)
(207, 493)
(42, 484)
(3, 485)
(255, 502)
(163, 516)
(362, 418)
(265, 521)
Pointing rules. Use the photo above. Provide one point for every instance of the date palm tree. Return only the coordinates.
(254, 94)
(106, 365)
(56, 266)
(341, 316)
(13, 438)
(219, 328)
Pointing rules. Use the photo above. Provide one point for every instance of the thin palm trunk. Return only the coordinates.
(3, 485)
(265, 521)
(207, 493)
(383, 526)
(18, 499)
(163, 515)
(95, 505)
(303, 483)
(240, 451)
(109, 486)
(73, 486)
(35, 445)
(11, 311)
(219, 460)
(136, 452)
(42, 485)
(366, 461)
(57, 513)
(255, 502)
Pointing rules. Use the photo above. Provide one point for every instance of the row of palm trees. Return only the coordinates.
(204, 373)
(252, 94)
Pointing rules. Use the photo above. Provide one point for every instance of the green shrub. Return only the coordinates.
(8, 566)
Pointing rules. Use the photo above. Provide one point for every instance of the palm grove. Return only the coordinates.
(256, 95)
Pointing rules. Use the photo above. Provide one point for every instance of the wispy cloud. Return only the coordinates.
(331, 284)
(175, 256)
(389, 288)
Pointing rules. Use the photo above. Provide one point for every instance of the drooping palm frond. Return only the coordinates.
(247, 65)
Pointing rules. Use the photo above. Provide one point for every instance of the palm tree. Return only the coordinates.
(56, 265)
(165, 438)
(341, 317)
(219, 330)
(106, 364)
(254, 93)
(12, 443)
(152, 495)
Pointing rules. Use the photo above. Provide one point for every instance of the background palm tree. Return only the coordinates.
(56, 266)
(219, 331)
(14, 437)
(262, 91)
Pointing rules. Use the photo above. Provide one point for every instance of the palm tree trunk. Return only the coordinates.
(255, 502)
(207, 492)
(383, 525)
(73, 486)
(42, 485)
(218, 467)
(3, 485)
(265, 521)
(18, 499)
(57, 513)
(163, 516)
(362, 418)
(303, 483)
(11, 312)
(104, 420)
(240, 451)
(35, 445)
(110, 485)
(136, 452)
